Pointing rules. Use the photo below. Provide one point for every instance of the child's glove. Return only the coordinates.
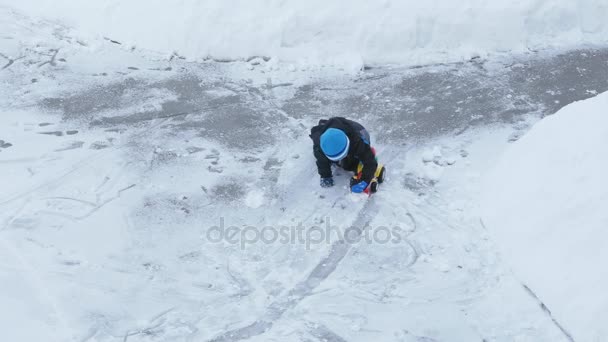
(359, 187)
(327, 182)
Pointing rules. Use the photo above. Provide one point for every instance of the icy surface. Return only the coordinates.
(546, 202)
(337, 32)
(118, 168)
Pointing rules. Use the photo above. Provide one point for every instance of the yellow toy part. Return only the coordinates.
(378, 177)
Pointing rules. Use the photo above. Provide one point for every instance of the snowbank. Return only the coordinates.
(338, 32)
(547, 205)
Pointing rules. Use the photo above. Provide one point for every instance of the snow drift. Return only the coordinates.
(337, 32)
(546, 205)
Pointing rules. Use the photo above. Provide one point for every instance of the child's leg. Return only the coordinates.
(349, 164)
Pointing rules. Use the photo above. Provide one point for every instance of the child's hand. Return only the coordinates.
(327, 182)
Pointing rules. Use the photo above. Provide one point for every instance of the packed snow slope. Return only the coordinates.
(336, 32)
(546, 205)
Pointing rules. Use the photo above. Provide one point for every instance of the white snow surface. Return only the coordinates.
(104, 229)
(545, 203)
(337, 32)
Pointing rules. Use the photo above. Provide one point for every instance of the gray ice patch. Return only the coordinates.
(230, 191)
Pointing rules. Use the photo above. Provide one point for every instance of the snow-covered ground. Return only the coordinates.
(546, 204)
(119, 165)
(345, 33)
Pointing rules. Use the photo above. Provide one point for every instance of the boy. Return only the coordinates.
(345, 143)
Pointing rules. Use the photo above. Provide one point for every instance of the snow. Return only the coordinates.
(432, 154)
(254, 199)
(341, 33)
(116, 166)
(545, 204)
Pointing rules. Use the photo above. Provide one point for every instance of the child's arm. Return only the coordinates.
(323, 164)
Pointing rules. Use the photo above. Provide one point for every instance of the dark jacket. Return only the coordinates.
(359, 150)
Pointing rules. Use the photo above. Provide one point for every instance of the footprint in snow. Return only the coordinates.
(71, 146)
(4, 144)
(59, 133)
(55, 133)
(99, 145)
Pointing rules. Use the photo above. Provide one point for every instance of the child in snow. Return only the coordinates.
(345, 143)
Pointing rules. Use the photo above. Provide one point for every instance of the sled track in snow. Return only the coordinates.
(323, 333)
(325, 267)
(545, 309)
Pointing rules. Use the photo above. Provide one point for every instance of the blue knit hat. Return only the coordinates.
(334, 144)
